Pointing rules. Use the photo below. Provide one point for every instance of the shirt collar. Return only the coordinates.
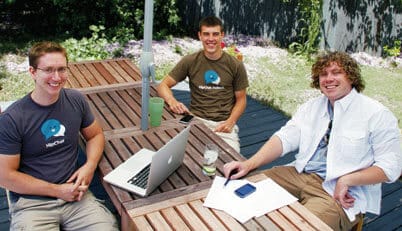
(343, 103)
(346, 101)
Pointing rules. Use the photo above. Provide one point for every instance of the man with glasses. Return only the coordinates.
(348, 144)
(39, 137)
(217, 82)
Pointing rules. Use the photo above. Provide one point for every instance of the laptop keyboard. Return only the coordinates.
(141, 178)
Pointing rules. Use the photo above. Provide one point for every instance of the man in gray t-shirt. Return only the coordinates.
(217, 81)
(39, 147)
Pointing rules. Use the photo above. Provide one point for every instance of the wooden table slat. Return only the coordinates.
(206, 215)
(174, 219)
(157, 221)
(314, 220)
(228, 220)
(281, 221)
(191, 217)
(298, 221)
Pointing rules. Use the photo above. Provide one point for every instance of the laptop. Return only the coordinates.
(146, 170)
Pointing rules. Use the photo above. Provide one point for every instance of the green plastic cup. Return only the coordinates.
(155, 110)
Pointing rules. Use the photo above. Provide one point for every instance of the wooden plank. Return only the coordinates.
(296, 220)
(120, 70)
(265, 222)
(90, 74)
(208, 217)
(110, 79)
(228, 220)
(191, 218)
(281, 221)
(157, 221)
(141, 223)
(109, 87)
(74, 76)
(116, 75)
(159, 202)
(307, 215)
(174, 219)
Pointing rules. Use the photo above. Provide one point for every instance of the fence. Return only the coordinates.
(359, 25)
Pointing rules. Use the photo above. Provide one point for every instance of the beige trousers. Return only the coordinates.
(230, 138)
(308, 189)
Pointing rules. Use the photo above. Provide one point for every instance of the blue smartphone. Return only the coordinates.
(245, 190)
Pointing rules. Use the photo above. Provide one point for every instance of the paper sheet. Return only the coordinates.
(267, 197)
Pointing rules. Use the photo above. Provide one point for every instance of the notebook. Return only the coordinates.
(157, 165)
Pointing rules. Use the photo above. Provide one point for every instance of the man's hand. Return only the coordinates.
(241, 167)
(225, 126)
(81, 180)
(177, 107)
(71, 192)
(342, 196)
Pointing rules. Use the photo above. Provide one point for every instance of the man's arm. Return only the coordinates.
(22, 183)
(269, 152)
(95, 142)
(164, 91)
(237, 111)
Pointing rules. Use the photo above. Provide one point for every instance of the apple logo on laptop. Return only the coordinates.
(170, 159)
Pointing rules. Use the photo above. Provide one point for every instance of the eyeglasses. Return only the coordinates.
(60, 70)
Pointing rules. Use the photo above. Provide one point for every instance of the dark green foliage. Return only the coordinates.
(123, 19)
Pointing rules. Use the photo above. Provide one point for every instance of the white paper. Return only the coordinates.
(267, 197)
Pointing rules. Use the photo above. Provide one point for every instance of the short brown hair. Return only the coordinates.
(345, 61)
(210, 21)
(41, 48)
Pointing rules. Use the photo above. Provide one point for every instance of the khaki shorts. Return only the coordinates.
(230, 138)
(53, 214)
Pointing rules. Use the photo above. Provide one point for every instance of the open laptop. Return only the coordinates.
(146, 170)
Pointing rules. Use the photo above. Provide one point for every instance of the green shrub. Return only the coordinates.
(393, 51)
(93, 48)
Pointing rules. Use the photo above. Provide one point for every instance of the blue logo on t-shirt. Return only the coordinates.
(51, 128)
(211, 76)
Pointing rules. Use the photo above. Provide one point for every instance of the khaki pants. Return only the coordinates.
(308, 189)
(230, 138)
(53, 214)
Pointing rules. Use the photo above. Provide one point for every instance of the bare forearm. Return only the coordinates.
(94, 150)
(269, 152)
(25, 184)
(237, 111)
(371, 175)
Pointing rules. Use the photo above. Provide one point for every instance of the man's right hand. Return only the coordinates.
(70, 192)
(178, 107)
(241, 167)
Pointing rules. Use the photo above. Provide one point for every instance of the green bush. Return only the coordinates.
(393, 51)
(93, 48)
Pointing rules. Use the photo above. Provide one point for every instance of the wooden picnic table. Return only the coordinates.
(183, 210)
(113, 90)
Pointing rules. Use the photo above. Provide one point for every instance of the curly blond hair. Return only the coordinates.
(345, 61)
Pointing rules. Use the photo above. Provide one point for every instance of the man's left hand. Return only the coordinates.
(225, 127)
(342, 195)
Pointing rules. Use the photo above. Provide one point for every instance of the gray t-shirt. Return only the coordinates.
(212, 83)
(46, 137)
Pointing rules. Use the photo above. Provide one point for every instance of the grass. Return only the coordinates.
(283, 84)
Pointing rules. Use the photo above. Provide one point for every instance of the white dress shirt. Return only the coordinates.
(364, 133)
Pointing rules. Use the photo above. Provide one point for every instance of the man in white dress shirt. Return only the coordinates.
(348, 144)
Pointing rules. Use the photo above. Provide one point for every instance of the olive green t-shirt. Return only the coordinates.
(212, 83)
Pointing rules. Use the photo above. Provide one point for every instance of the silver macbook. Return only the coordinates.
(146, 169)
